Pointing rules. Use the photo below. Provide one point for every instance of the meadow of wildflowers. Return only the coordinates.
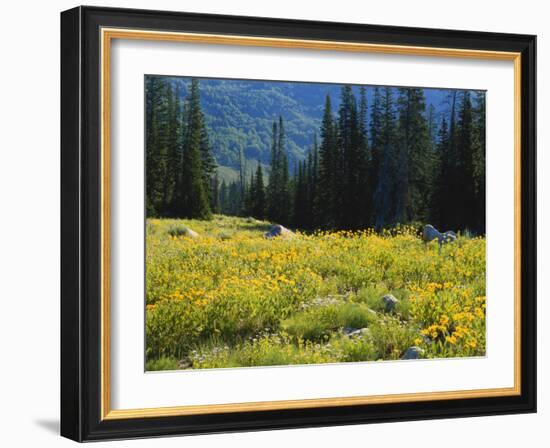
(231, 298)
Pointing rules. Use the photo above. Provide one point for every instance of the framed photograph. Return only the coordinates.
(276, 224)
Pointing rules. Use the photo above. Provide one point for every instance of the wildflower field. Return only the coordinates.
(231, 298)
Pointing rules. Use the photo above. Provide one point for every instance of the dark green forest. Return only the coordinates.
(372, 162)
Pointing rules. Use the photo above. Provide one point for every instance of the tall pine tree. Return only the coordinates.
(327, 198)
(259, 202)
(465, 202)
(157, 109)
(478, 162)
(384, 197)
(278, 192)
(414, 181)
(193, 197)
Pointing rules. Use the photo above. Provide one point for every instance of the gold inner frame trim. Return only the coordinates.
(107, 35)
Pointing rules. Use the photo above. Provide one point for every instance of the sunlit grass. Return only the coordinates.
(230, 297)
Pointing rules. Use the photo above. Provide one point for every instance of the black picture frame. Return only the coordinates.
(81, 224)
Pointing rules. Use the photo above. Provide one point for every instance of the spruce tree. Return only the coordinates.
(278, 192)
(274, 178)
(215, 198)
(449, 183)
(384, 198)
(364, 165)
(193, 196)
(432, 125)
(249, 195)
(328, 159)
(414, 160)
(348, 161)
(313, 190)
(259, 203)
(224, 198)
(156, 89)
(300, 196)
(375, 144)
(442, 169)
(208, 162)
(478, 162)
(234, 198)
(465, 202)
(174, 148)
(285, 196)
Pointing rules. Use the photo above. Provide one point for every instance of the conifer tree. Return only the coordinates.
(328, 175)
(449, 183)
(234, 198)
(193, 198)
(375, 143)
(249, 195)
(224, 209)
(300, 196)
(174, 148)
(313, 180)
(348, 162)
(156, 90)
(364, 168)
(374, 166)
(215, 198)
(465, 203)
(415, 159)
(431, 121)
(274, 180)
(259, 203)
(478, 161)
(441, 173)
(208, 162)
(285, 196)
(278, 192)
(384, 198)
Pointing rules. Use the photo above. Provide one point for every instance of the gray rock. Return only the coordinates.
(356, 332)
(413, 353)
(179, 230)
(389, 303)
(191, 233)
(430, 233)
(277, 230)
(447, 237)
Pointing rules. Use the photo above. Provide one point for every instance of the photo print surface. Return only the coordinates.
(309, 223)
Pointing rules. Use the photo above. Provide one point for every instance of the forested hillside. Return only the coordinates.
(239, 115)
(376, 156)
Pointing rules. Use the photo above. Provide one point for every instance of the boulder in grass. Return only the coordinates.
(191, 233)
(389, 302)
(413, 353)
(447, 237)
(179, 230)
(430, 233)
(277, 230)
(355, 332)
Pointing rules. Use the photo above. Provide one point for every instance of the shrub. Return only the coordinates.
(317, 323)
